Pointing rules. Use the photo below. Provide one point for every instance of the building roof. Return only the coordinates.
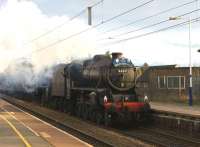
(164, 66)
(144, 77)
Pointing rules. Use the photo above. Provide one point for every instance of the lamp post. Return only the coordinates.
(190, 65)
(190, 60)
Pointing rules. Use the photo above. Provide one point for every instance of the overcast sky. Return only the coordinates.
(169, 47)
(165, 47)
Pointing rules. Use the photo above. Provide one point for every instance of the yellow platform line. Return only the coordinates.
(16, 131)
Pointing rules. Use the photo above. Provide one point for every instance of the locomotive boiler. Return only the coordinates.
(117, 72)
(103, 89)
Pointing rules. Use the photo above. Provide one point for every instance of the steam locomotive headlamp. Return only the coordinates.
(146, 100)
(122, 84)
(117, 60)
(105, 99)
(126, 98)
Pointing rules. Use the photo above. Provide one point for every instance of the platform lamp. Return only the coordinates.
(190, 58)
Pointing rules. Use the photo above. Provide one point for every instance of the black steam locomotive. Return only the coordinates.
(101, 89)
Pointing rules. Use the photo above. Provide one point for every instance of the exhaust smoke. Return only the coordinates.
(23, 21)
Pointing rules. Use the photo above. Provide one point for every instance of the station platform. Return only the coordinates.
(178, 108)
(18, 129)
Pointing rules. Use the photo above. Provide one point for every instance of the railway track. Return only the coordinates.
(153, 136)
(162, 138)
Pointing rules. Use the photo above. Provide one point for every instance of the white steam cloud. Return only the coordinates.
(23, 21)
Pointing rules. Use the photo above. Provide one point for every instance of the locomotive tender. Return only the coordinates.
(101, 89)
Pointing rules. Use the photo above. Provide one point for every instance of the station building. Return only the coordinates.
(169, 83)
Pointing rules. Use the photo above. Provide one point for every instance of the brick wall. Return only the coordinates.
(162, 83)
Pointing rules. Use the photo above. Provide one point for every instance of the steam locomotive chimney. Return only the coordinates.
(116, 55)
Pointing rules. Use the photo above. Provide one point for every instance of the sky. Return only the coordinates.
(29, 19)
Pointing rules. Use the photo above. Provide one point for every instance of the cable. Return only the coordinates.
(152, 25)
(61, 40)
(126, 12)
(60, 25)
(95, 26)
(153, 32)
(148, 17)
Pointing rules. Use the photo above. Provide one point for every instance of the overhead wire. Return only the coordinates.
(151, 16)
(95, 26)
(64, 23)
(153, 32)
(58, 26)
(128, 11)
(149, 26)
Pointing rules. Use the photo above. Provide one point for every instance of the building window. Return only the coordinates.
(176, 82)
(161, 82)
